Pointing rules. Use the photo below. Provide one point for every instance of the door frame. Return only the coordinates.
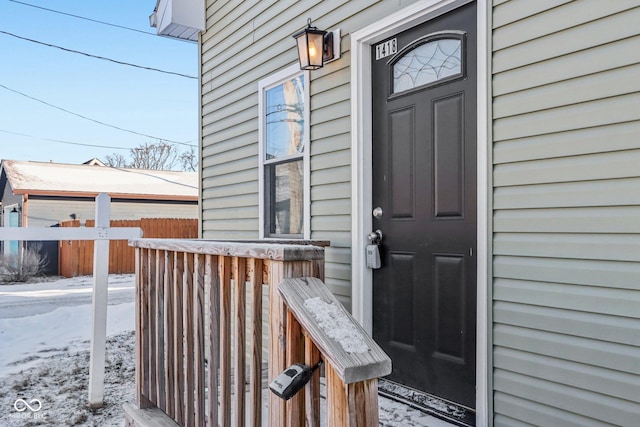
(361, 173)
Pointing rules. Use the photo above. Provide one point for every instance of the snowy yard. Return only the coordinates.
(44, 357)
(44, 335)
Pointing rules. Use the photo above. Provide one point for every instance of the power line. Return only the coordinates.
(93, 120)
(85, 18)
(98, 57)
(66, 142)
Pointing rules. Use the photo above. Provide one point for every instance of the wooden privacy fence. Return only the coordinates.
(75, 257)
(199, 338)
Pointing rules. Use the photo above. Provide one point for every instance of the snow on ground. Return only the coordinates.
(60, 383)
(45, 331)
(65, 329)
(44, 357)
(27, 299)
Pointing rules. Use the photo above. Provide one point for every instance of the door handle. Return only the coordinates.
(375, 237)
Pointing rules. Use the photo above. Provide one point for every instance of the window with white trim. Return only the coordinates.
(284, 154)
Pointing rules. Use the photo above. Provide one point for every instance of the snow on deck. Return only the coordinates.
(336, 325)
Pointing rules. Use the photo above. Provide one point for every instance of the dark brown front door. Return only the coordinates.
(424, 181)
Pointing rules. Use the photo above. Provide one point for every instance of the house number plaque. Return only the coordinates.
(387, 48)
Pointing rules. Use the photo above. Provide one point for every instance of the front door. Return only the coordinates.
(424, 182)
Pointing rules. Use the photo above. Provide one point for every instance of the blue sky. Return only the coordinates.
(147, 102)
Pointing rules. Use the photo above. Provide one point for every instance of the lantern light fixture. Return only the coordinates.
(316, 47)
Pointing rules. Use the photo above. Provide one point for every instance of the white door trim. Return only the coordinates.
(361, 114)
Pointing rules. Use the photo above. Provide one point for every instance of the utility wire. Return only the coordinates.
(94, 120)
(66, 142)
(98, 57)
(85, 18)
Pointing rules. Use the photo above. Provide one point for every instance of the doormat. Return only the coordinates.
(432, 405)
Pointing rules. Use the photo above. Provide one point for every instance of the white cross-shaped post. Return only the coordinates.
(102, 234)
(100, 299)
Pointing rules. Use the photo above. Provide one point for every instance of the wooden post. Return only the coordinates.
(351, 405)
(295, 407)
(351, 377)
(224, 274)
(312, 389)
(100, 295)
(277, 341)
(239, 298)
(255, 382)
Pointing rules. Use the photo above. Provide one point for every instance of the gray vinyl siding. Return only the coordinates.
(45, 213)
(8, 198)
(566, 212)
(244, 43)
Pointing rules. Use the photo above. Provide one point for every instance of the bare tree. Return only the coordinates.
(159, 156)
(189, 160)
(116, 160)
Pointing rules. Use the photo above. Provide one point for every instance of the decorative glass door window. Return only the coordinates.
(284, 135)
(426, 62)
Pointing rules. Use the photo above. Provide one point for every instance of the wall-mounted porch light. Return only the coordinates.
(315, 47)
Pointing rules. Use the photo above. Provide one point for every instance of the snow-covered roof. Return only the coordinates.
(59, 179)
(94, 162)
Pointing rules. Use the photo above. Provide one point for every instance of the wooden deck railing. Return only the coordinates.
(195, 302)
(319, 327)
(191, 316)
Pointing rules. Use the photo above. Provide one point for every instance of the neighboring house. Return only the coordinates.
(500, 141)
(40, 194)
(94, 162)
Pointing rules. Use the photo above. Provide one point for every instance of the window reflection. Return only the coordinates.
(284, 136)
(287, 189)
(284, 130)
